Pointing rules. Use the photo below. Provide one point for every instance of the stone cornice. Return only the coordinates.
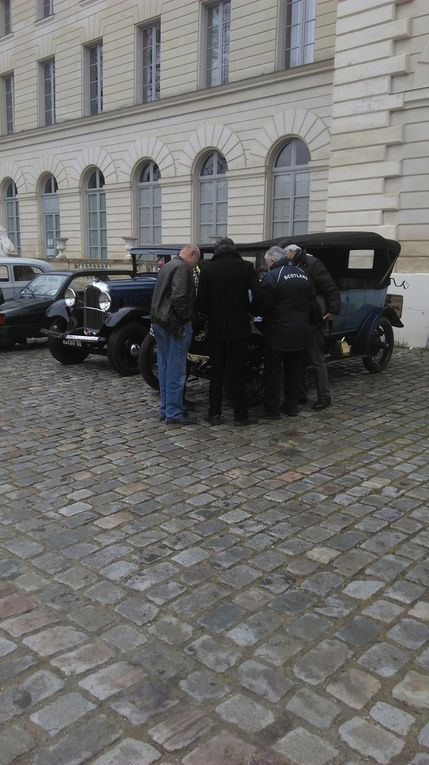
(213, 98)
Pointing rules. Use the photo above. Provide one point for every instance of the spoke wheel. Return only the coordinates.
(381, 347)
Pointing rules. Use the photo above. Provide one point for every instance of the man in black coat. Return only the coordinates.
(329, 305)
(225, 286)
(285, 301)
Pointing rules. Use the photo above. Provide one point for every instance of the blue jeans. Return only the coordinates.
(171, 353)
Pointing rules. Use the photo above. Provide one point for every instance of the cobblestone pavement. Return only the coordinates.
(212, 596)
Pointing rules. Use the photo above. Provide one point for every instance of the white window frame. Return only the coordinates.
(96, 199)
(5, 17)
(12, 215)
(93, 105)
(8, 102)
(47, 109)
(294, 172)
(216, 181)
(50, 213)
(298, 22)
(152, 188)
(45, 8)
(147, 93)
(212, 77)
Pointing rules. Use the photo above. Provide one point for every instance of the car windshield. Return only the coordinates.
(44, 285)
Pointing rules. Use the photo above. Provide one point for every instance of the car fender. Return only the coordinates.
(393, 317)
(58, 308)
(125, 315)
(361, 340)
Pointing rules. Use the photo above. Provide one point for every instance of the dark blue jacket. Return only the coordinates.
(286, 298)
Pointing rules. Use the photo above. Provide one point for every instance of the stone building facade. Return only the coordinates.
(177, 120)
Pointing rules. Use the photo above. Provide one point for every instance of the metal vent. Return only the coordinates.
(93, 316)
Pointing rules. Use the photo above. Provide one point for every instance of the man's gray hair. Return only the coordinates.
(291, 248)
(276, 253)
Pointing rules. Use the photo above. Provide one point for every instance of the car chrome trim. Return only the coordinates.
(85, 339)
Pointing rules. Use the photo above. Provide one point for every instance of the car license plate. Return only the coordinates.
(74, 343)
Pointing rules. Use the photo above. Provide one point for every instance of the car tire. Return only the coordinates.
(6, 345)
(62, 353)
(148, 362)
(123, 348)
(381, 347)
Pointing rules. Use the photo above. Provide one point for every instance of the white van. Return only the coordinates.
(15, 273)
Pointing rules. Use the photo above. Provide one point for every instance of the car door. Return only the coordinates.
(6, 288)
(30, 316)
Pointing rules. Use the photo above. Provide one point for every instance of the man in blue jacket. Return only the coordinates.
(328, 305)
(285, 300)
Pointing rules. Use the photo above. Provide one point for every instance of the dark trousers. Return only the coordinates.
(227, 359)
(316, 355)
(292, 364)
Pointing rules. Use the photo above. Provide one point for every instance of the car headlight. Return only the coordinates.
(69, 297)
(104, 301)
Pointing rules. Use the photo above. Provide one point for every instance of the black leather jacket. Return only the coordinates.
(174, 296)
(322, 281)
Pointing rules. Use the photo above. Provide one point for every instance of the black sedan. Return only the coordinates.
(25, 316)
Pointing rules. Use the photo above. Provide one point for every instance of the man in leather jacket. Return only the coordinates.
(172, 305)
(329, 303)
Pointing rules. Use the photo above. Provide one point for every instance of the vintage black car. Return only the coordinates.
(361, 264)
(25, 316)
(110, 316)
(113, 316)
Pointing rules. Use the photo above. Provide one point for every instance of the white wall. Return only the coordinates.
(415, 314)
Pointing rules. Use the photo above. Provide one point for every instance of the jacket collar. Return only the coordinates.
(282, 262)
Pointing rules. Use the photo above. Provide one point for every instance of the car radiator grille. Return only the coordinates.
(93, 316)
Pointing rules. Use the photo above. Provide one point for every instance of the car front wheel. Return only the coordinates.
(123, 348)
(64, 354)
(380, 347)
(6, 345)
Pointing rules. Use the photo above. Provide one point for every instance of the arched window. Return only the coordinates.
(96, 209)
(291, 190)
(149, 204)
(213, 198)
(12, 215)
(51, 216)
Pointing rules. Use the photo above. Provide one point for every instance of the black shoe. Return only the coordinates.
(182, 421)
(214, 419)
(269, 415)
(290, 411)
(322, 403)
(303, 400)
(247, 421)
